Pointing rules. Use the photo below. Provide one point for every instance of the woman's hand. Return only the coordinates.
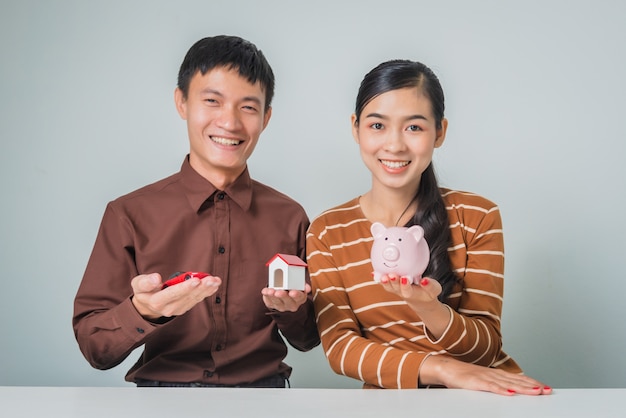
(451, 373)
(425, 292)
(422, 298)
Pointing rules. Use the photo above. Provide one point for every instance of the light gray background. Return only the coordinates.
(535, 98)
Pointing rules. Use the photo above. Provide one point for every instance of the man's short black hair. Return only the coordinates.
(230, 52)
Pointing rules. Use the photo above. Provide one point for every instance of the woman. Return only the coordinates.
(445, 330)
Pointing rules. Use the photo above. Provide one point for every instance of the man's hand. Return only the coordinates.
(151, 302)
(284, 301)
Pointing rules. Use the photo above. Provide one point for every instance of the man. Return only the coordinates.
(223, 329)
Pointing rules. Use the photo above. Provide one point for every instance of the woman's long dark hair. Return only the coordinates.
(431, 210)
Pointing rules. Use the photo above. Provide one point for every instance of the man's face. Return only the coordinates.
(225, 116)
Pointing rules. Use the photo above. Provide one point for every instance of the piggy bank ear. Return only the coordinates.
(417, 231)
(377, 229)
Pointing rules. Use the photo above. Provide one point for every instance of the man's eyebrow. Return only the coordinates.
(209, 90)
(254, 99)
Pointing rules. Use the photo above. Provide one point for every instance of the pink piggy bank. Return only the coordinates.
(399, 250)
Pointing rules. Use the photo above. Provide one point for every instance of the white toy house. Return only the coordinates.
(286, 272)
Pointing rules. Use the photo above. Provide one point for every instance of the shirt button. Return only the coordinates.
(221, 250)
(218, 299)
(140, 330)
(208, 373)
(220, 196)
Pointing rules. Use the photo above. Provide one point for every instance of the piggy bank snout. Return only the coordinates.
(391, 253)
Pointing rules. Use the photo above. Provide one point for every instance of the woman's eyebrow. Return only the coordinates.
(375, 115)
(413, 117)
(408, 118)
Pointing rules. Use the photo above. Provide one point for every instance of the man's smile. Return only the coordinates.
(225, 141)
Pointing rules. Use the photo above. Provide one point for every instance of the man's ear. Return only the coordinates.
(267, 116)
(441, 133)
(181, 103)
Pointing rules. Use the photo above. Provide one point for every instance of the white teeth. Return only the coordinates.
(395, 164)
(225, 141)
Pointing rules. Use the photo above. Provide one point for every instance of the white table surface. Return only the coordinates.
(84, 402)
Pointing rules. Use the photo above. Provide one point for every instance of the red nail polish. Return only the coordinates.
(424, 281)
(511, 391)
(404, 280)
(392, 278)
(548, 388)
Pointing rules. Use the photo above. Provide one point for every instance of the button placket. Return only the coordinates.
(221, 263)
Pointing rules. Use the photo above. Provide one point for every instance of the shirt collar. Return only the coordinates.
(198, 189)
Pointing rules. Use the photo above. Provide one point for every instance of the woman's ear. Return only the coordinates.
(355, 127)
(441, 133)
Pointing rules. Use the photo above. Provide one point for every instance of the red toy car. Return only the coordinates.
(180, 277)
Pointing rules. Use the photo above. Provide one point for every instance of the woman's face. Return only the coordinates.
(397, 135)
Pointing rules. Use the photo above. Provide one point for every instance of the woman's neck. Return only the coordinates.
(390, 209)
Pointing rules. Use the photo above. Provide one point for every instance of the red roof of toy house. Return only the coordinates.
(292, 260)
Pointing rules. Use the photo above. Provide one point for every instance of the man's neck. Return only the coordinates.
(220, 179)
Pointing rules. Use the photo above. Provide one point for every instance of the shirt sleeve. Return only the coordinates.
(299, 328)
(474, 334)
(348, 352)
(106, 324)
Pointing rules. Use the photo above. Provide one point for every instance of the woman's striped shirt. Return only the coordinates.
(372, 335)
